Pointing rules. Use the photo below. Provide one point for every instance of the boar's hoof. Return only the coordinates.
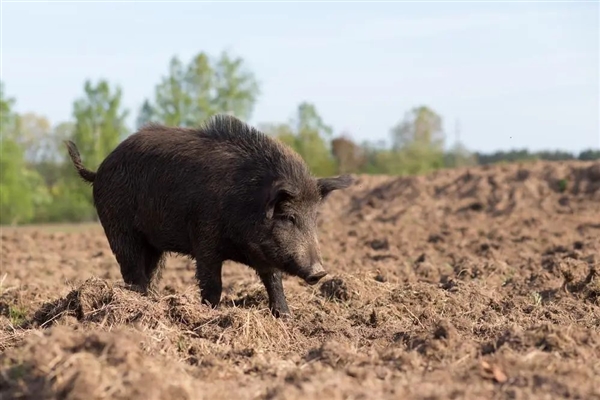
(281, 313)
(214, 303)
(315, 278)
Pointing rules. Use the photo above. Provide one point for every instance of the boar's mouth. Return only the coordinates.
(311, 275)
(313, 279)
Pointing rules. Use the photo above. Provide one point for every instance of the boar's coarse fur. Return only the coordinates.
(224, 191)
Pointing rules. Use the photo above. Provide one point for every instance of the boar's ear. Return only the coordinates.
(278, 192)
(328, 185)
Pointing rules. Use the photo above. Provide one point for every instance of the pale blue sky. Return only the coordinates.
(515, 75)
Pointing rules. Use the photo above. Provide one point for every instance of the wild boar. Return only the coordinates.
(223, 191)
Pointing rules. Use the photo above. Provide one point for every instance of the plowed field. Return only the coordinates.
(468, 283)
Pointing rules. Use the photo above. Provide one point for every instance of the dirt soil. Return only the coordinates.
(468, 283)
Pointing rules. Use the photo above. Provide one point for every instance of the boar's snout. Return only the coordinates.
(315, 273)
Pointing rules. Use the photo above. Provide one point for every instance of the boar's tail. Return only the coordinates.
(86, 174)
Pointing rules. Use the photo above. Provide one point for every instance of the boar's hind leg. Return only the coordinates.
(208, 273)
(274, 286)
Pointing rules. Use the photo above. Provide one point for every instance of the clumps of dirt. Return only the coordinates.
(589, 289)
(573, 342)
(331, 353)
(379, 244)
(230, 326)
(429, 342)
(579, 274)
(67, 364)
(98, 301)
(249, 298)
(103, 304)
(477, 190)
(335, 289)
(493, 371)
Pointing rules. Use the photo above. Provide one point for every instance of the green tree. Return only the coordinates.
(372, 153)
(199, 86)
(459, 156)
(16, 202)
(557, 155)
(171, 100)
(418, 142)
(312, 138)
(21, 188)
(188, 95)
(35, 137)
(61, 132)
(589, 155)
(282, 131)
(146, 115)
(8, 119)
(505, 156)
(308, 135)
(51, 162)
(420, 126)
(236, 87)
(99, 127)
(99, 122)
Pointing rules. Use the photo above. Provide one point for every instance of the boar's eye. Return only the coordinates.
(289, 218)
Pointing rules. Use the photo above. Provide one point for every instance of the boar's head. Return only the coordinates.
(289, 241)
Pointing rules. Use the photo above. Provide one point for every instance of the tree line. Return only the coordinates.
(38, 184)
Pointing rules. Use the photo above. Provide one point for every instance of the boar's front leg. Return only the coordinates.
(208, 274)
(274, 286)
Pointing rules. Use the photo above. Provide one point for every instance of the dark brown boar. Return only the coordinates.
(224, 191)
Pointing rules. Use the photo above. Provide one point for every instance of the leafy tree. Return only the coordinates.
(190, 94)
(308, 135)
(98, 129)
(8, 119)
(236, 87)
(422, 127)
(589, 155)
(283, 132)
(557, 155)
(312, 136)
(51, 163)
(505, 156)
(21, 191)
(61, 132)
(371, 151)
(459, 156)
(35, 137)
(172, 103)
(16, 202)
(99, 122)
(417, 143)
(146, 115)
